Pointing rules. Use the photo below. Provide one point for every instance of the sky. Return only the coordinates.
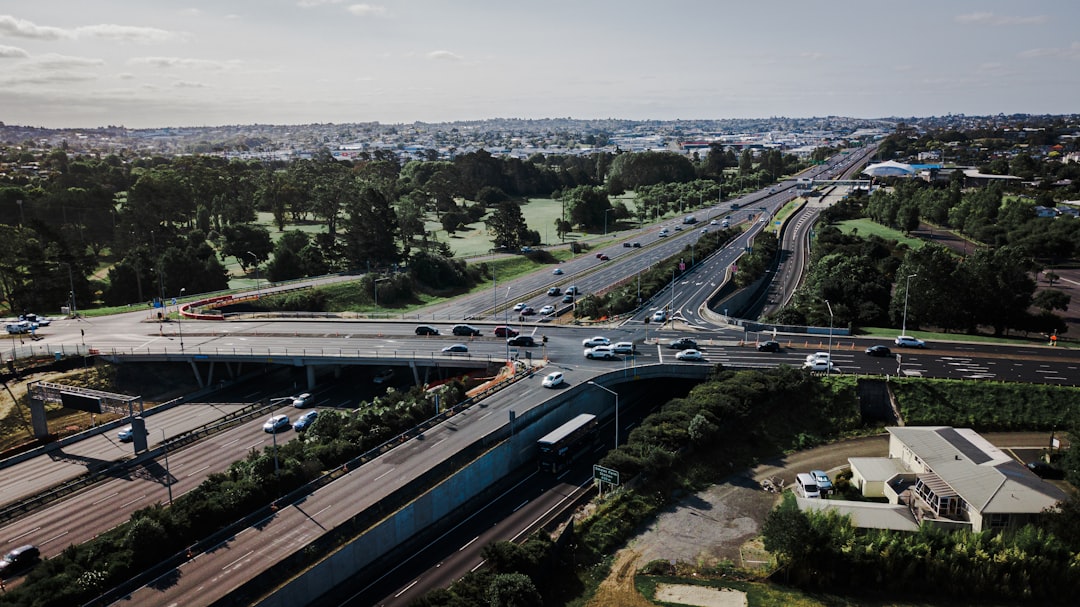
(156, 63)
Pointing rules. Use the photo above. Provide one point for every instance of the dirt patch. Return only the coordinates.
(701, 596)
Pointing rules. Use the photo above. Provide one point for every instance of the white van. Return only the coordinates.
(806, 486)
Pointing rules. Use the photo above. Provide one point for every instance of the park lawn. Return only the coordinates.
(865, 227)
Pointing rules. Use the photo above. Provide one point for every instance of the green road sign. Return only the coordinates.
(605, 475)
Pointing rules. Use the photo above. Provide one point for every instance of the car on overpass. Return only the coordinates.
(683, 343)
(504, 331)
(690, 354)
(769, 346)
(525, 341)
(466, 331)
(426, 330)
(455, 349)
(553, 380)
(879, 350)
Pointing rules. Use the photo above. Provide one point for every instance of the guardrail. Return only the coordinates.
(294, 352)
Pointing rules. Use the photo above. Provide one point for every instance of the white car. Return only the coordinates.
(552, 380)
(659, 316)
(302, 400)
(598, 340)
(276, 423)
(623, 347)
(519, 306)
(547, 310)
(909, 342)
(604, 352)
(689, 355)
(817, 356)
(821, 365)
(127, 434)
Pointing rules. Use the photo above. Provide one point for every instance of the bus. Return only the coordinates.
(564, 444)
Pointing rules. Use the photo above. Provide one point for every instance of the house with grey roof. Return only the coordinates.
(954, 478)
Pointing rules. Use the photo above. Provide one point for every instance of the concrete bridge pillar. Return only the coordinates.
(38, 421)
(310, 377)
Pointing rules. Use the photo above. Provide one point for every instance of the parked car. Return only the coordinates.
(769, 346)
(466, 330)
(302, 400)
(19, 559)
(549, 309)
(426, 330)
(682, 343)
(276, 424)
(568, 298)
(557, 272)
(906, 341)
(623, 347)
(805, 486)
(525, 341)
(879, 350)
(604, 352)
(552, 380)
(689, 355)
(597, 340)
(505, 332)
(455, 349)
(822, 480)
(305, 420)
(384, 376)
(554, 291)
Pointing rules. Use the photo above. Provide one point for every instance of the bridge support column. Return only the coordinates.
(337, 372)
(198, 376)
(415, 373)
(38, 421)
(311, 377)
(210, 375)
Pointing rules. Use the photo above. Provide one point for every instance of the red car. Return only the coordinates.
(604, 258)
(505, 332)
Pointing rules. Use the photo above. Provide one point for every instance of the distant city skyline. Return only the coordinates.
(154, 64)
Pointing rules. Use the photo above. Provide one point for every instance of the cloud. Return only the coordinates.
(191, 12)
(126, 33)
(314, 3)
(53, 61)
(992, 19)
(182, 62)
(21, 28)
(1069, 52)
(47, 78)
(367, 10)
(187, 84)
(12, 52)
(444, 55)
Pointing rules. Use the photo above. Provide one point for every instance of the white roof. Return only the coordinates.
(889, 168)
(870, 515)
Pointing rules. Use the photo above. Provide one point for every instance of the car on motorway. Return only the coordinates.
(519, 306)
(276, 423)
(548, 309)
(572, 290)
(636, 245)
(821, 364)
(712, 222)
(905, 341)
(525, 341)
(552, 380)
(20, 559)
(466, 331)
(604, 352)
(426, 330)
(682, 343)
(305, 420)
(817, 356)
(528, 311)
(689, 355)
(568, 298)
(455, 349)
(384, 376)
(659, 316)
(704, 230)
(557, 272)
(769, 346)
(127, 434)
(596, 340)
(822, 480)
(604, 258)
(626, 245)
(302, 400)
(504, 331)
(623, 347)
(663, 233)
(678, 228)
(554, 291)
(879, 350)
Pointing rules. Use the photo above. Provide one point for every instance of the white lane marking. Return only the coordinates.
(106, 498)
(383, 474)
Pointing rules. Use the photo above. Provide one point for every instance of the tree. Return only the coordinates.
(1052, 299)
(585, 206)
(513, 590)
(371, 232)
(248, 243)
(787, 532)
(507, 225)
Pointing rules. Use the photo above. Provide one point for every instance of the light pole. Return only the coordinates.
(606, 211)
(180, 318)
(168, 476)
(907, 290)
(616, 395)
(828, 365)
(506, 322)
(253, 256)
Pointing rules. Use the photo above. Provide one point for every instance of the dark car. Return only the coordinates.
(683, 343)
(879, 350)
(19, 559)
(769, 346)
(466, 330)
(505, 332)
(526, 341)
(605, 258)
(456, 349)
(554, 291)
(636, 245)
(426, 330)
(626, 245)
(568, 298)
(1045, 470)
(528, 311)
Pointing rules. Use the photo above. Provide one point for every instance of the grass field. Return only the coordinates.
(865, 227)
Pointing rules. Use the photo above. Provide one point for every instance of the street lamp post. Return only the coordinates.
(180, 318)
(616, 395)
(506, 322)
(828, 366)
(168, 476)
(606, 211)
(907, 290)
